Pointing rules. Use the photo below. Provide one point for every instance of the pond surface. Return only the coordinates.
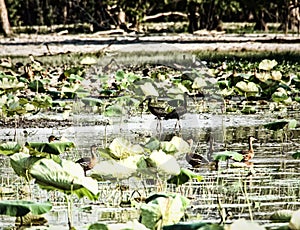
(274, 185)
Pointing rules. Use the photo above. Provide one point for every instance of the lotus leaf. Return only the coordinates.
(199, 83)
(9, 148)
(21, 163)
(98, 226)
(168, 147)
(245, 224)
(153, 144)
(121, 148)
(296, 155)
(277, 125)
(23, 207)
(168, 208)
(181, 145)
(149, 90)
(113, 110)
(8, 84)
(165, 163)
(225, 155)
(42, 101)
(263, 77)
(67, 177)
(88, 61)
(280, 95)
(51, 148)
(276, 75)
(184, 176)
(193, 226)
(37, 86)
(267, 64)
(121, 169)
(249, 87)
(294, 223)
(281, 216)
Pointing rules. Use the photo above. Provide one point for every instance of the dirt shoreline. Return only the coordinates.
(38, 45)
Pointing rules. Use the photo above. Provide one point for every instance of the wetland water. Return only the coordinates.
(274, 186)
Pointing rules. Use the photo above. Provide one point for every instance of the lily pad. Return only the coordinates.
(281, 216)
(168, 208)
(23, 207)
(184, 176)
(51, 148)
(9, 148)
(225, 155)
(67, 177)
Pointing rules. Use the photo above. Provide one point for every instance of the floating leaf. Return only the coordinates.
(121, 148)
(113, 110)
(225, 155)
(184, 176)
(51, 148)
(149, 90)
(193, 226)
(280, 95)
(296, 155)
(153, 144)
(277, 125)
(267, 64)
(281, 216)
(165, 163)
(245, 224)
(23, 207)
(199, 83)
(169, 208)
(21, 163)
(294, 223)
(67, 177)
(249, 87)
(88, 61)
(9, 148)
(276, 75)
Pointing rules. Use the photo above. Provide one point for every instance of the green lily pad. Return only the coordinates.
(67, 177)
(281, 216)
(169, 208)
(55, 148)
(9, 148)
(225, 155)
(23, 207)
(184, 176)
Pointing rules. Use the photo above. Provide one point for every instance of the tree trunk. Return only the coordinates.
(4, 19)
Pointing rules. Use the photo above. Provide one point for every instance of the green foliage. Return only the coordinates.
(168, 208)
(184, 176)
(225, 155)
(22, 207)
(55, 148)
(9, 148)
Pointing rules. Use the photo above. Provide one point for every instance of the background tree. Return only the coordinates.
(4, 19)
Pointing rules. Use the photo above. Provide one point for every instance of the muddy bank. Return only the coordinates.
(23, 45)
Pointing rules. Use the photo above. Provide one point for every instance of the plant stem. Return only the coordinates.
(69, 210)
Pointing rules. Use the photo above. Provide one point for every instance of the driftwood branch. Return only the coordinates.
(150, 17)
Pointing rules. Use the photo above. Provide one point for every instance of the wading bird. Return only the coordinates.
(158, 112)
(52, 138)
(87, 163)
(177, 112)
(248, 154)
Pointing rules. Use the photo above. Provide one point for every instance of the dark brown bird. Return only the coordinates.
(248, 154)
(52, 138)
(87, 163)
(158, 112)
(196, 159)
(178, 111)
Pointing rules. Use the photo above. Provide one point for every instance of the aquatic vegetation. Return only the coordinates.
(20, 208)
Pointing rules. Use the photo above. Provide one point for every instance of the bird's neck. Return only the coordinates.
(184, 101)
(250, 146)
(93, 154)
